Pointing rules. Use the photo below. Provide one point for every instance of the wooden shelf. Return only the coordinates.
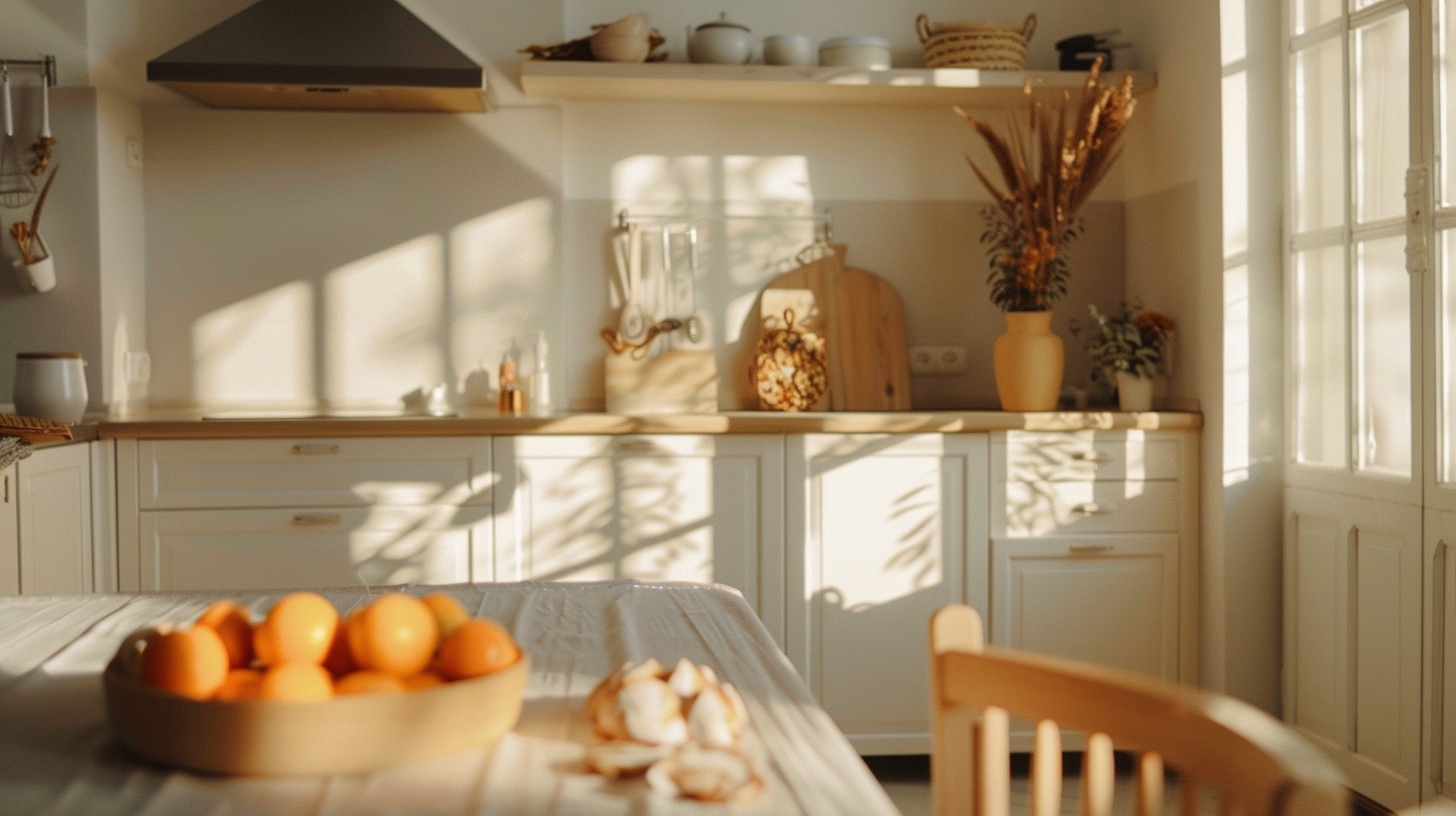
(689, 82)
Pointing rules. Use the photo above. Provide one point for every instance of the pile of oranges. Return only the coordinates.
(303, 651)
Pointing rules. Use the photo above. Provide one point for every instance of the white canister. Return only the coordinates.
(788, 49)
(51, 385)
(868, 53)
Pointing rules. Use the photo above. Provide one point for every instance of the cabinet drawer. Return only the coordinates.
(306, 549)
(1034, 456)
(1022, 509)
(188, 474)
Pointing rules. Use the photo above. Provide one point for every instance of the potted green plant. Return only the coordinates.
(1048, 171)
(1130, 347)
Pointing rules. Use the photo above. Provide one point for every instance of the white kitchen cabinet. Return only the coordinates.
(1108, 599)
(53, 489)
(655, 508)
(884, 530)
(9, 532)
(232, 514)
(1095, 547)
(1352, 635)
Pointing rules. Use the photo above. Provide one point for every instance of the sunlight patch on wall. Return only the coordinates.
(256, 351)
(499, 263)
(384, 319)
(1236, 386)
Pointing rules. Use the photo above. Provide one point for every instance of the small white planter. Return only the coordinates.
(39, 276)
(1134, 393)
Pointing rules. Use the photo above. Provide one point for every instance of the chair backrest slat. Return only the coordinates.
(1046, 770)
(1254, 762)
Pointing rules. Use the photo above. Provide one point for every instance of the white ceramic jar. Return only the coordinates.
(51, 385)
(788, 49)
(868, 53)
(721, 42)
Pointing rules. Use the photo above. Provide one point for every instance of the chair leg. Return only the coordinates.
(1149, 792)
(993, 764)
(1098, 776)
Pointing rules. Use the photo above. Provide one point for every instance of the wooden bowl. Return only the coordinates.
(345, 735)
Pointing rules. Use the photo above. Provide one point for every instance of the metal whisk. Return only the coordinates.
(16, 187)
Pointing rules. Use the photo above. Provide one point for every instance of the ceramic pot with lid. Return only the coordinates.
(51, 385)
(720, 42)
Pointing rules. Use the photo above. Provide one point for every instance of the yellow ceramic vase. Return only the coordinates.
(1028, 363)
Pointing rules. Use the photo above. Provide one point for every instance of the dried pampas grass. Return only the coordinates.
(1048, 171)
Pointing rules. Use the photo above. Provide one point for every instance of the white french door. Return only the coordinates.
(1358, 104)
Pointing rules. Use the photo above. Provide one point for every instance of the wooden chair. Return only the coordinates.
(1257, 765)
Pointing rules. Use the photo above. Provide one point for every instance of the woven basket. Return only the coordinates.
(987, 46)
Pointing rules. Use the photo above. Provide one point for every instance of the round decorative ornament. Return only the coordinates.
(791, 368)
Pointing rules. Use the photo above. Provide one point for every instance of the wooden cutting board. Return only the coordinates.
(863, 322)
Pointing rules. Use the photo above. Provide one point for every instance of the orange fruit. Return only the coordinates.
(241, 684)
(302, 682)
(189, 662)
(340, 661)
(478, 647)
(233, 624)
(369, 682)
(396, 634)
(298, 629)
(423, 680)
(448, 612)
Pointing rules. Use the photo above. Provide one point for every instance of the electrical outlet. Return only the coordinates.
(133, 152)
(939, 360)
(138, 367)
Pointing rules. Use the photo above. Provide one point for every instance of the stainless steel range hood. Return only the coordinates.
(323, 54)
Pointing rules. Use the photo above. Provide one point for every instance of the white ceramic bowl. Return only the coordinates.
(868, 53)
(788, 49)
(633, 24)
(619, 48)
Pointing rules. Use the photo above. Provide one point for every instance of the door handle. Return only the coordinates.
(1094, 509)
(316, 519)
(636, 446)
(1088, 549)
(314, 450)
(1091, 456)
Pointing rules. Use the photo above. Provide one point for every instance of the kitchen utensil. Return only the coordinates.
(16, 188)
(788, 49)
(863, 323)
(43, 142)
(721, 42)
(51, 385)
(633, 321)
(867, 53)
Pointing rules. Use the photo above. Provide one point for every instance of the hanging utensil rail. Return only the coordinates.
(47, 66)
(625, 217)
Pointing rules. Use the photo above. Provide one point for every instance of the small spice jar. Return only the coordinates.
(51, 385)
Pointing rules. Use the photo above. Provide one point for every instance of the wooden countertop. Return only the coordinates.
(193, 424)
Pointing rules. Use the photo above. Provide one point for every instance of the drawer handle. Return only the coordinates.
(636, 446)
(1091, 456)
(315, 519)
(1094, 509)
(314, 450)
(1087, 549)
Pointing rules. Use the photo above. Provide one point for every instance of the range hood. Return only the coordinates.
(323, 54)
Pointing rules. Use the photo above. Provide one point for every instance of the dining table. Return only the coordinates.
(58, 754)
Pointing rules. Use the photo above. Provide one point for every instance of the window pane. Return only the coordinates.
(1383, 352)
(1309, 13)
(1382, 113)
(1321, 326)
(1446, 365)
(1446, 116)
(1319, 137)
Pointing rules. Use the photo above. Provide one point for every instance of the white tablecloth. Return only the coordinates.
(57, 756)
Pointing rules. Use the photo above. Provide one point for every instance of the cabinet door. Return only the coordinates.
(303, 549)
(55, 521)
(9, 533)
(1352, 637)
(893, 527)
(1439, 781)
(1111, 600)
(654, 508)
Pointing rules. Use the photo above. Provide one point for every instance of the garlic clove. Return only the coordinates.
(686, 679)
(708, 774)
(647, 668)
(624, 758)
(711, 719)
(652, 712)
